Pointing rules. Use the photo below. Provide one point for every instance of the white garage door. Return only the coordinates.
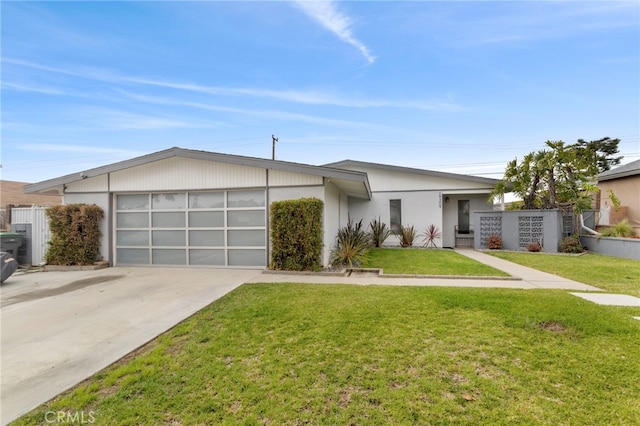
(214, 228)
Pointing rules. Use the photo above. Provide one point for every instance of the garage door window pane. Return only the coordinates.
(206, 219)
(169, 238)
(133, 256)
(133, 202)
(206, 257)
(246, 258)
(168, 220)
(132, 238)
(249, 238)
(206, 238)
(246, 218)
(169, 257)
(206, 200)
(246, 199)
(168, 201)
(132, 220)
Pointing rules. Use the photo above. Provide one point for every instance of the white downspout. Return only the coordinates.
(583, 226)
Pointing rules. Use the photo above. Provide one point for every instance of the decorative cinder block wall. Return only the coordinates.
(519, 228)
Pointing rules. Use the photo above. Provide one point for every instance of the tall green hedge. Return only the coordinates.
(296, 234)
(75, 234)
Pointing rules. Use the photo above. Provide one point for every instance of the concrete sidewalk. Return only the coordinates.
(535, 278)
(525, 278)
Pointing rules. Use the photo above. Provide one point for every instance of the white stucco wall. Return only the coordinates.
(335, 217)
(418, 209)
(422, 200)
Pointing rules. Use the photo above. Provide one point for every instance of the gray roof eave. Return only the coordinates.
(469, 178)
(330, 172)
(626, 170)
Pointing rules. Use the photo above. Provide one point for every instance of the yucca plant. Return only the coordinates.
(407, 236)
(352, 245)
(430, 236)
(379, 232)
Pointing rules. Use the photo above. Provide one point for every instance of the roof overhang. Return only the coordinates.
(627, 170)
(354, 183)
(352, 164)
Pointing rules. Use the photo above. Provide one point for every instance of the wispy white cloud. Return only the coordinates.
(108, 119)
(327, 14)
(262, 113)
(309, 97)
(73, 149)
(31, 88)
(531, 21)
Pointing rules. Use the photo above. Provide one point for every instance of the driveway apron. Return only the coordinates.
(59, 328)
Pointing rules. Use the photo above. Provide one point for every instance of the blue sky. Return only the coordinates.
(453, 86)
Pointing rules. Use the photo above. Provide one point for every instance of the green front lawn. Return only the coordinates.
(337, 354)
(612, 274)
(427, 262)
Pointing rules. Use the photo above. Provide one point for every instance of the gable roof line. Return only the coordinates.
(323, 171)
(389, 167)
(626, 170)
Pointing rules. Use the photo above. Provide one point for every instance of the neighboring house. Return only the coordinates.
(624, 182)
(186, 207)
(12, 194)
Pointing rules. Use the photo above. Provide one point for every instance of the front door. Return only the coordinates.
(463, 216)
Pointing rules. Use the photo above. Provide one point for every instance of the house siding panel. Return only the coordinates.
(93, 184)
(281, 178)
(392, 180)
(182, 174)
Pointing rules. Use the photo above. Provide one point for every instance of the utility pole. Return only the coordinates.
(273, 147)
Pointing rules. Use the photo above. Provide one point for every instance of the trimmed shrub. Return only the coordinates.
(75, 234)
(352, 246)
(571, 244)
(296, 234)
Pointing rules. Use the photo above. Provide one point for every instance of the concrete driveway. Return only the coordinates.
(59, 328)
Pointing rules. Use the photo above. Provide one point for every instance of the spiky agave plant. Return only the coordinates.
(379, 232)
(407, 236)
(431, 235)
(352, 245)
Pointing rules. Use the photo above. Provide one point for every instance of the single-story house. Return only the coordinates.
(624, 182)
(197, 208)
